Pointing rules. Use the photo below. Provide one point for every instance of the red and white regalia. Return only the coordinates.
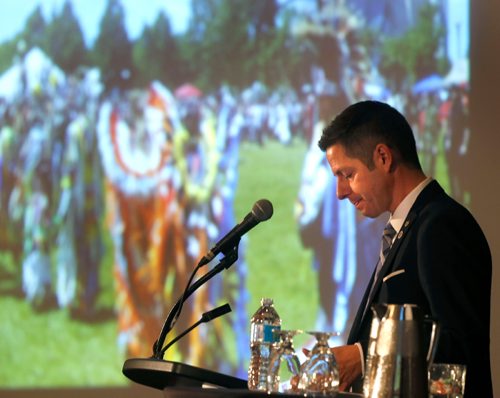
(143, 213)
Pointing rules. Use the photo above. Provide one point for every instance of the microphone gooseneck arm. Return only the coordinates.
(225, 263)
(206, 317)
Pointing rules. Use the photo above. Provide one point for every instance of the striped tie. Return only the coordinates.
(387, 237)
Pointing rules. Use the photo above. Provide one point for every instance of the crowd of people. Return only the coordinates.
(156, 170)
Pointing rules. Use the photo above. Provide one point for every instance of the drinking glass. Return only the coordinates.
(446, 380)
(320, 374)
(284, 364)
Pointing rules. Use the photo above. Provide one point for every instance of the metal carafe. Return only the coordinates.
(397, 359)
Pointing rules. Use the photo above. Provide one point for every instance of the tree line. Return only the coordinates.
(232, 42)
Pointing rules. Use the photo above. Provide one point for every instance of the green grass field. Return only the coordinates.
(50, 349)
(278, 265)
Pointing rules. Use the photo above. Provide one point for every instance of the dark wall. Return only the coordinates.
(485, 165)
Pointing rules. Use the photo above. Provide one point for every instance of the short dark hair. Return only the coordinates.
(361, 126)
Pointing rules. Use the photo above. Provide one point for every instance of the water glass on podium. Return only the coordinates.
(446, 380)
(319, 374)
(284, 365)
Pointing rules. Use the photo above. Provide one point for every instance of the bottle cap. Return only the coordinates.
(266, 301)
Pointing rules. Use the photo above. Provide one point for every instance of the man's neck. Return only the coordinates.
(405, 181)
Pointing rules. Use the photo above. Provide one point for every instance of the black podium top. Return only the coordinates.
(158, 373)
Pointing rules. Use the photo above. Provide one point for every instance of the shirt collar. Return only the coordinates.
(399, 216)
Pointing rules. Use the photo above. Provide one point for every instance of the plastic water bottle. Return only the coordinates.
(263, 323)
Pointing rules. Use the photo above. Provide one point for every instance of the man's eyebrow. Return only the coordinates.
(338, 172)
(342, 171)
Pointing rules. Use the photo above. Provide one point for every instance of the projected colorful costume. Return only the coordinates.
(319, 225)
(232, 285)
(36, 80)
(342, 241)
(457, 141)
(35, 188)
(196, 159)
(144, 215)
(79, 237)
(10, 208)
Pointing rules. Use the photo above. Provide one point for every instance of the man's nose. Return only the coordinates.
(343, 188)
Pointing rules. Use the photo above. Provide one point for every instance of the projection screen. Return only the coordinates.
(135, 135)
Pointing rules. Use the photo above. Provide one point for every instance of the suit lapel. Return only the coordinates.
(352, 338)
(389, 260)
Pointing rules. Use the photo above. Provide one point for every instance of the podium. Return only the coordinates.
(178, 380)
(161, 374)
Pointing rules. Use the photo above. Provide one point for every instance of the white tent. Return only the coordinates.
(39, 70)
(459, 73)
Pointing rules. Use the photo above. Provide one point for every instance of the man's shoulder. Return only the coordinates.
(435, 210)
(434, 199)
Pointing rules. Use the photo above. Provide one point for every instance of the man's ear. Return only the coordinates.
(382, 156)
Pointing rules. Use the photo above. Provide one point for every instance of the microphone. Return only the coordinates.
(215, 313)
(205, 317)
(262, 210)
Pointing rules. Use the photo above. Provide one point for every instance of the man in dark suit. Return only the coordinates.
(439, 258)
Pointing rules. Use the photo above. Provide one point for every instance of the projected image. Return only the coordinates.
(134, 136)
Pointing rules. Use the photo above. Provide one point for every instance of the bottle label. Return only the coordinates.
(269, 335)
(264, 333)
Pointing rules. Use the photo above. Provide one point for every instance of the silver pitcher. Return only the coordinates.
(396, 359)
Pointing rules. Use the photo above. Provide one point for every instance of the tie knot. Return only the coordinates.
(389, 231)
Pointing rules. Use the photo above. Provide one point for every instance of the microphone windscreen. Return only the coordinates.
(217, 312)
(262, 210)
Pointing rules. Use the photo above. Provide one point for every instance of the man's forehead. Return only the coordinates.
(336, 158)
(339, 160)
(336, 153)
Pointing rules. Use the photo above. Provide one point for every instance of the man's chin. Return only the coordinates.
(361, 207)
(367, 213)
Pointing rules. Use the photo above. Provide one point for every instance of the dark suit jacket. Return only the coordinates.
(447, 273)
